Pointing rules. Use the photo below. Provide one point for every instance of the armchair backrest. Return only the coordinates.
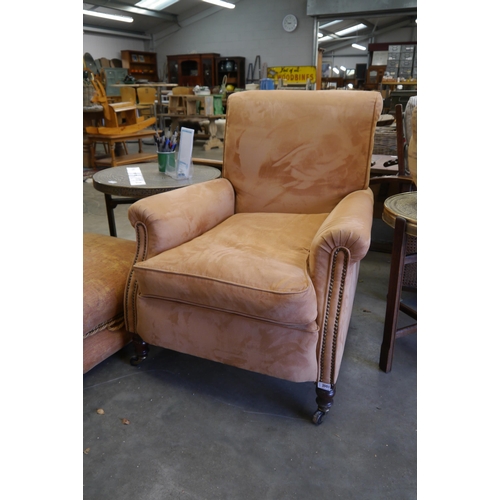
(296, 151)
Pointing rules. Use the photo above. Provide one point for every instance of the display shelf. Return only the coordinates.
(233, 68)
(189, 70)
(141, 65)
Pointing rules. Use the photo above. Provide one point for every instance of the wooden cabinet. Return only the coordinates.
(189, 70)
(233, 68)
(140, 65)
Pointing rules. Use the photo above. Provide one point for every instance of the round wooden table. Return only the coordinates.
(402, 205)
(120, 181)
(400, 212)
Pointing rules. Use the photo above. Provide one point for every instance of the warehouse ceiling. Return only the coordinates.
(148, 23)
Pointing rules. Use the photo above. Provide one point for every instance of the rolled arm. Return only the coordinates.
(348, 226)
(169, 219)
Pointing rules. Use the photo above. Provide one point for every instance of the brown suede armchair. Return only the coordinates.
(258, 269)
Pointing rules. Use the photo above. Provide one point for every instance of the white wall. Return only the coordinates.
(253, 28)
(110, 47)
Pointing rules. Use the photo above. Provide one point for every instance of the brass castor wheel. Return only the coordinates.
(318, 417)
(141, 350)
(137, 360)
(324, 402)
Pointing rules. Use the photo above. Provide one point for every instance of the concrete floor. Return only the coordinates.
(201, 430)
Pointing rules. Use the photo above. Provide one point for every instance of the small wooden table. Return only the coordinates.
(400, 212)
(378, 165)
(111, 140)
(116, 181)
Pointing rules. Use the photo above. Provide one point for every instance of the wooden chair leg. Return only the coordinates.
(393, 295)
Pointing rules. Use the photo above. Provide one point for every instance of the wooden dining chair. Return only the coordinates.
(128, 94)
(177, 100)
(146, 97)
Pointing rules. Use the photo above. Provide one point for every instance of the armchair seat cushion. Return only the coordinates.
(252, 264)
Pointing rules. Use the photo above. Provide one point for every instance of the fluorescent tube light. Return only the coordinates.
(359, 47)
(155, 4)
(351, 29)
(325, 38)
(123, 19)
(336, 70)
(330, 24)
(220, 3)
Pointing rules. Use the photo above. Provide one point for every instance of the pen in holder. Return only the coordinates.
(167, 155)
(176, 165)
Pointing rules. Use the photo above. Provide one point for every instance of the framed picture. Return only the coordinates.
(141, 59)
(134, 57)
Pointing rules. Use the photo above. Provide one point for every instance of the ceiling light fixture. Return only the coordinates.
(351, 29)
(336, 70)
(359, 47)
(155, 4)
(325, 38)
(220, 3)
(123, 19)
(330, 24)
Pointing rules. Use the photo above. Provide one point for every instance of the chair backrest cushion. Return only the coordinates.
(296, 151)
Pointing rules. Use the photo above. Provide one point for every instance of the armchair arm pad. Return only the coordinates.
(348, 226)
(172, 218)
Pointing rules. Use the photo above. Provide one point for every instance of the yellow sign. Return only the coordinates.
(293, 75)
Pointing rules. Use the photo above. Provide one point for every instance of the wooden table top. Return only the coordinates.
(402, 205)
(138, 134)
(379, 169)
(116, 181)
(149, 84)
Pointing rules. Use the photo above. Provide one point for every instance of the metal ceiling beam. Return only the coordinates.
(123, 7)
(186, 19)
(342, 8)
(125, 34)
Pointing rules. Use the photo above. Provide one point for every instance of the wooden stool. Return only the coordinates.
(400, 212)
(177, 104)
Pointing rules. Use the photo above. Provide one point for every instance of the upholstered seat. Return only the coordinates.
(250, 264)
(258, 269)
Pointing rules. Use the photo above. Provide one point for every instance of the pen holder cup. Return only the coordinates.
(167, 162)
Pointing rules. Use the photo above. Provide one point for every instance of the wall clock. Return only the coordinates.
(289, 23)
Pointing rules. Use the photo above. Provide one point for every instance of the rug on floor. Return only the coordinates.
(88, 173)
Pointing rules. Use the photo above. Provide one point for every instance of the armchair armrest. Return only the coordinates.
(348, 225)
(169, 219)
